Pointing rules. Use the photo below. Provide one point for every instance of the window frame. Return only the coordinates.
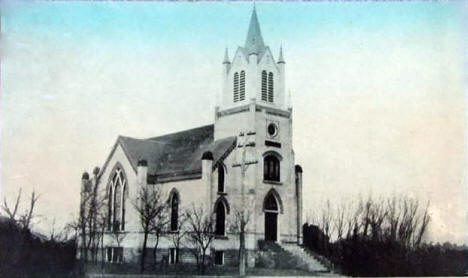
(173, 255)
(216, 257)
(221, 181)
(271, 168)
(174, 194)
(216, 232)
(114, 255)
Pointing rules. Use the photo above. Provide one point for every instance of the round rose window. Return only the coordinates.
(272, 129)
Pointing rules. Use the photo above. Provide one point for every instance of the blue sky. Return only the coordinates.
(208, 24)
(377, 89)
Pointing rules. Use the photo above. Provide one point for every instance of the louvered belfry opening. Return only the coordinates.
(236, 87)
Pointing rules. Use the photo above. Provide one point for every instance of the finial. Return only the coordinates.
(280, 58)
(226, 57)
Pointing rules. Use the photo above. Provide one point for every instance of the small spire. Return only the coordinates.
(226, 57)
(280, 58)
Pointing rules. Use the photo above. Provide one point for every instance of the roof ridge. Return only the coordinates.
(177, 132)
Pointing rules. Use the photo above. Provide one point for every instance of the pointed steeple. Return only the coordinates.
(254, 41)
(280, 58)
(226, 57)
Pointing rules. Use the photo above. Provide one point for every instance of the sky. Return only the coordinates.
(378, 93)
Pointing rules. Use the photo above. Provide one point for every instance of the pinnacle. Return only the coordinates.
(280, 58)
(226, 57)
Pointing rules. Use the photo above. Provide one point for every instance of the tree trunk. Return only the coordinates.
(155, 251)
(143, 252)
(203, 263)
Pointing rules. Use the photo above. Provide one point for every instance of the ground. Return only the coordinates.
(189, 270)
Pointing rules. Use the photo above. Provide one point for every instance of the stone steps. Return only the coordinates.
(311, 263)
(289, 256)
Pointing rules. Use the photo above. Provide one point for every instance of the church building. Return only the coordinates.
(245, 159)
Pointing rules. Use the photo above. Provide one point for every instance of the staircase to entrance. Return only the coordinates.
(287, 256)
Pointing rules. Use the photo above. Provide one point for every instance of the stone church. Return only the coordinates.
(245, 158)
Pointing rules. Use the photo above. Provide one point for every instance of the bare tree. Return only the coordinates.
(12, 213)
(25, 219)
(150, 208)
(200, 233)
(93, 216)
(53, 235)
(426, 218)
(353, 220)
(408, 222)
(241, 219)
(177, 236)
(158, 228)
(118, 236)
(340, 220)
(376, 217)
(326, 221)
(393, 219)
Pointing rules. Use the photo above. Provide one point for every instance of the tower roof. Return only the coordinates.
(254, 41)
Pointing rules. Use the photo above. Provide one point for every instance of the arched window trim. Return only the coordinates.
(223, 200)
(277, 197)
(174, 194)
(268, 153)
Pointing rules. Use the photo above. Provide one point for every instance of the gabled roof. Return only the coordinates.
(176, 153)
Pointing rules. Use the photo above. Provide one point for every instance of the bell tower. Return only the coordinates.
(253, 77)
(253, 108)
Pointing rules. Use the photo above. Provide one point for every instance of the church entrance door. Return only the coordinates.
(271, 226)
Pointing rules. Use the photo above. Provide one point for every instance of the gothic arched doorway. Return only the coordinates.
(271, 209)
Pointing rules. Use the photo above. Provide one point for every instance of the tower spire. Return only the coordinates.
(254, 42)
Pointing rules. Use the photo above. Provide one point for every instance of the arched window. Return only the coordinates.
(174, 202)
(220, 226)
(236, 87)
(271, 168)
(117, 197)
(110, 203)
(242, 86)
(220, 178)
(117, 207)
(264, 85)
(270, 87)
